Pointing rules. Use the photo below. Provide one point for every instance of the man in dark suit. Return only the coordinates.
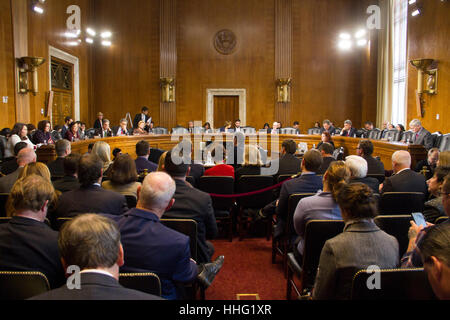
(287, 163)
(62, 149)
(358, 169)
(92, 243)
(191, 203)
(67, 121)
(25, 156)
(70, 180)
(348, 130)
(326, 150)
(404, 179)
(90, 197)
(296, 126)
(142, 162)
(123, 130)
(428, 164)
(327, 126)
(143, 116)
(421, 135)
(160, 249)
(26, 242)
(105, 131)
(98, 124)
(365, 150)
(307, 182)
(10, 165)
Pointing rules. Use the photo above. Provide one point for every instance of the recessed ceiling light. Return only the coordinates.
(71, 34)
(361, 42)
(89, 40)
(38, 9)
(91, 32)
(106, 34)
(345, 36)
(360, 33)
(415, 12)
(73, 43)
(106, 43)
(345, 44)
(412, 1)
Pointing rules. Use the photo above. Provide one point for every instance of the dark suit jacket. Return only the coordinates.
(7, 182)
(331, 130)
(151, 246)
(142, 164)
(30, 245)
(119, 129)
(361, 245)
(66, 184)
(373, 183)
(325, 164)
(306, 183)
(424, 163)
(99, 132)
(96, 286)
(56, 167)
(374, 166)
(352, 132)
(191, 203)
(138, 118)
(289, 164)
(405, 181)
(9, 166)
(92, 199)
(197, 171)
(98, 124)
(424, 139)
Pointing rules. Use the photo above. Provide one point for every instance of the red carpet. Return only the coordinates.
(247, 269)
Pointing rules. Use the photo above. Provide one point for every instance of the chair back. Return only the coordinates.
(160, 130)
(5, 219)
(3, 200)
(317, 232)
(3, 143)
(131, 201)
(180, 130)
(249, 183)
(407, 136)
(60, 222)
(283, 177)
(375, 134)
(90, 133)
(395, 203)
(218, 185)
(440, 220)
(147, 282)
(199, 130)
(393, 135)
(155, 154)
(249, 130)
(445, 143)
(22, 285)
(293, 201)
(397, 226)
(379, 177)
(187, 227)
(287, 131)
(314, 131)
(394, 284)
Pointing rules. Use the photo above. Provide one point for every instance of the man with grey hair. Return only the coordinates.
(348, 130)
(92, 243)
(123, 130)
(404, 179)
(105, 131)
(358, 169)
(428, 165)
(24, 157)
(151, 246)
(63, 149)
(327, 126)
(421, 135)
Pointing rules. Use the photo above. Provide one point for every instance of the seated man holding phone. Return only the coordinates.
(419, 227)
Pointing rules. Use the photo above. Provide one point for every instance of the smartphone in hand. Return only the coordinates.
(419, 219)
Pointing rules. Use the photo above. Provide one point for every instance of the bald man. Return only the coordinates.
(404, 179)
(24, 157)
(151, 246)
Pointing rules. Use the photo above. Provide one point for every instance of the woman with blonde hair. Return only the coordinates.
(103, 150)
(161, 161)
(140, 130)
(323, 205)
(444, 159)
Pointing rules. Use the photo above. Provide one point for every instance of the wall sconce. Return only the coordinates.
(168, 89)
(426, 67)
(25, 66)
(284, 90)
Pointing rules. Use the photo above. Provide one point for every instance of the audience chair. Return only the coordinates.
(249, 183)
(3, 200)
(55, 178)
(4, 220)
(379, 177)
(397, 226)
(283, 245)
(147, 282)
(223, 207)
(395, 284)
(22, 285)
(60, 222)
(316, 234)
(155, 154)
(160, 130)
(395, 203)
(131, 201)
(440, 220)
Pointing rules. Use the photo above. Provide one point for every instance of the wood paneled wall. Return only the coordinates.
(7, 78)
(428, 38)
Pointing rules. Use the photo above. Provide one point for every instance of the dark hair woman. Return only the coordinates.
(42, 134)
(123, 176)
(326, 137)
(72, 134)
(18, 134)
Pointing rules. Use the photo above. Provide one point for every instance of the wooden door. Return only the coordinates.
(226, 108)
(62, 87)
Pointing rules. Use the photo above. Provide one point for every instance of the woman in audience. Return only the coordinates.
(220, 169)
(42, 134)
(226, 126)
(72, 134)
(317, 125)
(207, 127)
(103, 150)
(362, 244)
(323, 205)
(434, 208)
(444, 159)
(252, 162)
(123, 176)
(161, 160)
(326, 137)
(18, 134)
(140, 130)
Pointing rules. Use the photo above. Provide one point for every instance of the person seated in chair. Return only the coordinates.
(123, 177)
(326, 137)
(105, 131)
(92, 242)
(358, 169)
(288, 163)
(252, 162)
(296, 126)
(404, 179)
(421, 135)
(365, 150)
(327, 126)
(428, 164)
(434, 208)
(24, 157)
(221, 169)
(70, 180)
(142, 162)
(160, 249)
(10, 165)
(326, 150)
(140, 130)
(353, 249)
(62, 149)
(123, 130)
(348, 130)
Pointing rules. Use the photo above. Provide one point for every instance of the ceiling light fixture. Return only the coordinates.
(415, 12)
(91, 32)
(38, 9)
(361, 42)
(360, 33)
(412, 1)
(89, 40)
(106, 43)
(344, 36)
(106, 34)
(345, 45)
